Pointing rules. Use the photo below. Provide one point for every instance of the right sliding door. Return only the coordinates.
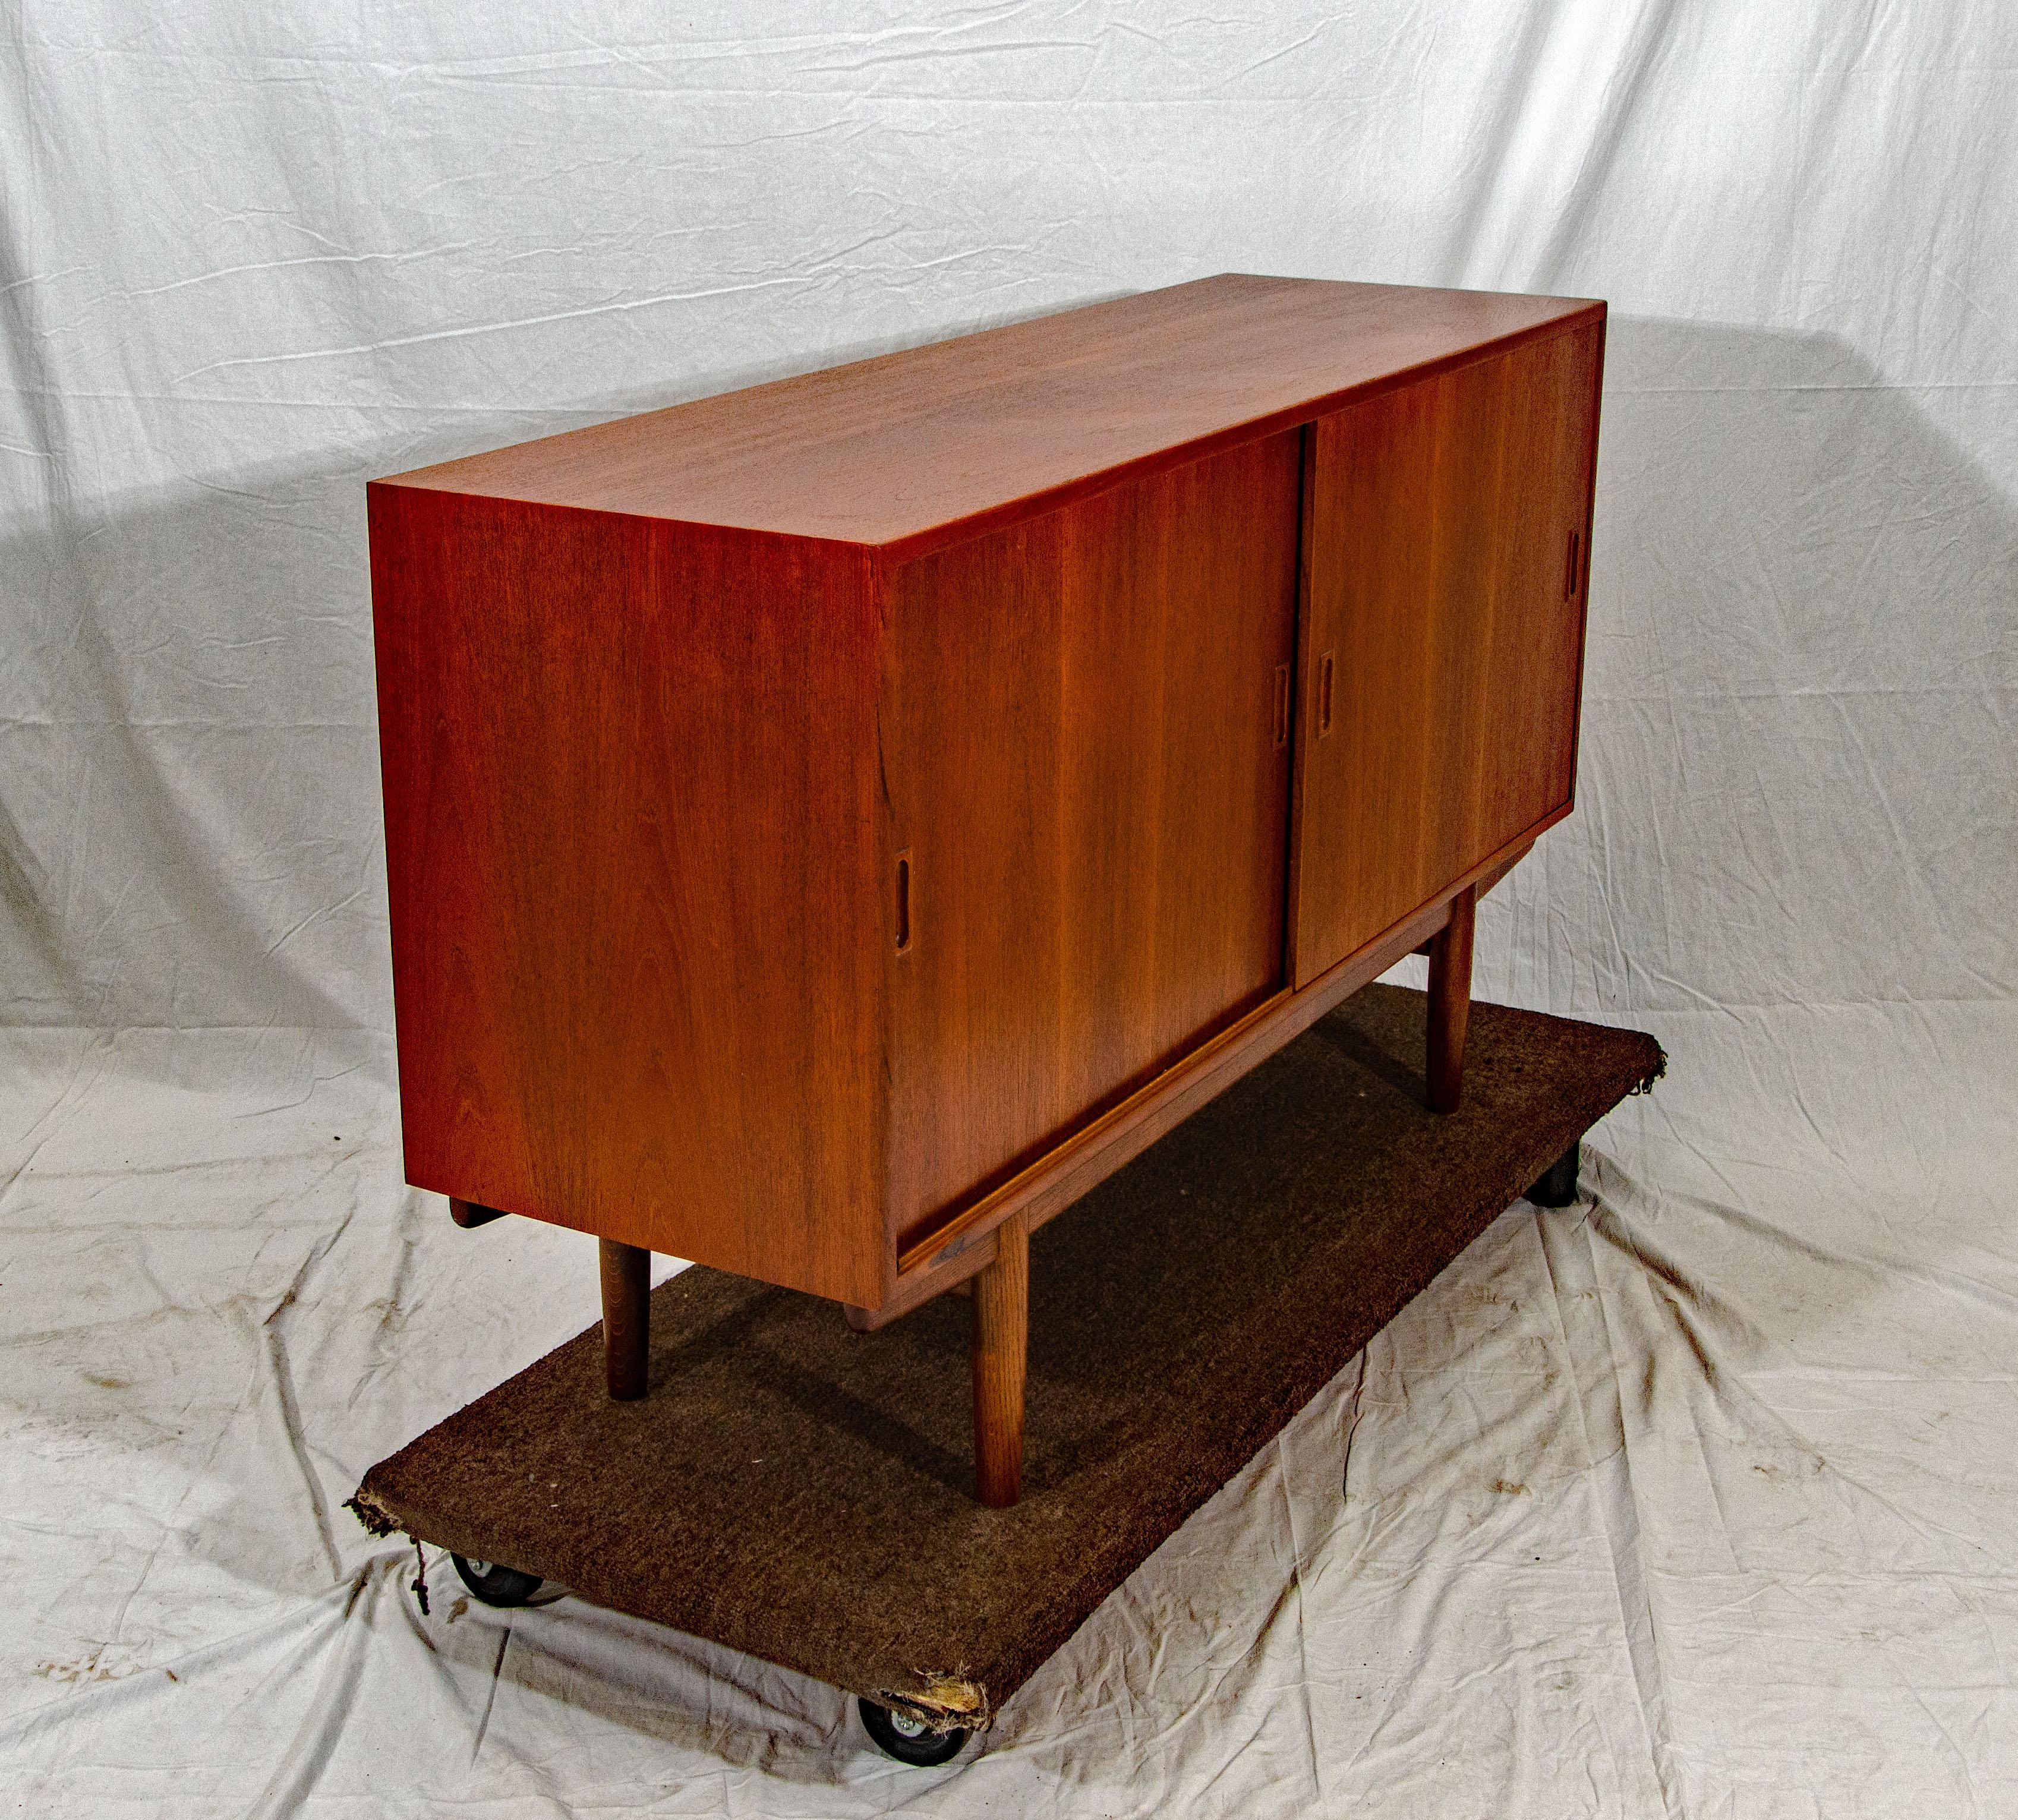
(1446, 542)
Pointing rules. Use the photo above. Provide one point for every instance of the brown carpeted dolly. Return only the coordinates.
(802, 1492)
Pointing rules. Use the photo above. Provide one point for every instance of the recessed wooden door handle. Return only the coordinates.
(1326, 667)
(903, 902)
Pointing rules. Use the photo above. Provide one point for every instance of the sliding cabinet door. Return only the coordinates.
(1448, 522)
(1084, 724)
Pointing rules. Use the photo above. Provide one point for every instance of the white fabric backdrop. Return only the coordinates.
(1701, 1500)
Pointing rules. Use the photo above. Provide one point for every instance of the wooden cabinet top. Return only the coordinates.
(914, 449)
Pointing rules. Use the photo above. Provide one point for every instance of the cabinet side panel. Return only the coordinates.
(630, 821)
(1085, 726)
(1444, 634)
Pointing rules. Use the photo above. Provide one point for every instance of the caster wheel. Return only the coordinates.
(907, 1739)
(1558, 1188)
(495, 1585)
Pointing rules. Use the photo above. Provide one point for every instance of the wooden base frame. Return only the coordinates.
(991, 1264)
(989, 1258)
(1000, 1290)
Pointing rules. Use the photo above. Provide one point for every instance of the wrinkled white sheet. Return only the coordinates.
(1701, 1500)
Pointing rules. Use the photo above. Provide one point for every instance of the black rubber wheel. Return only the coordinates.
(1558, 1188)
(495, 1585)
(907, 1739)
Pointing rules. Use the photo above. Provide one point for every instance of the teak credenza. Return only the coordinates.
(832, 826)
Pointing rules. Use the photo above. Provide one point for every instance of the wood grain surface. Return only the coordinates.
(1449, 528)
(826, 821)
(630, 816)
(1079, 747)
(917, 448)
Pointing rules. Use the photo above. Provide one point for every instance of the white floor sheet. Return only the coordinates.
(1700, 1498)
(1697, 1499)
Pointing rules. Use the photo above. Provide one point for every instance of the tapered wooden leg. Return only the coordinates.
(471, 1214)
(1450, 1003)
(1001, 1354)
(627, 1318)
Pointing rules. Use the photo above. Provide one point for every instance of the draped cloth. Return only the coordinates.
(1695, 1498)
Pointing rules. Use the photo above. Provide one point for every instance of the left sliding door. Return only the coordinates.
(1086, 739)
